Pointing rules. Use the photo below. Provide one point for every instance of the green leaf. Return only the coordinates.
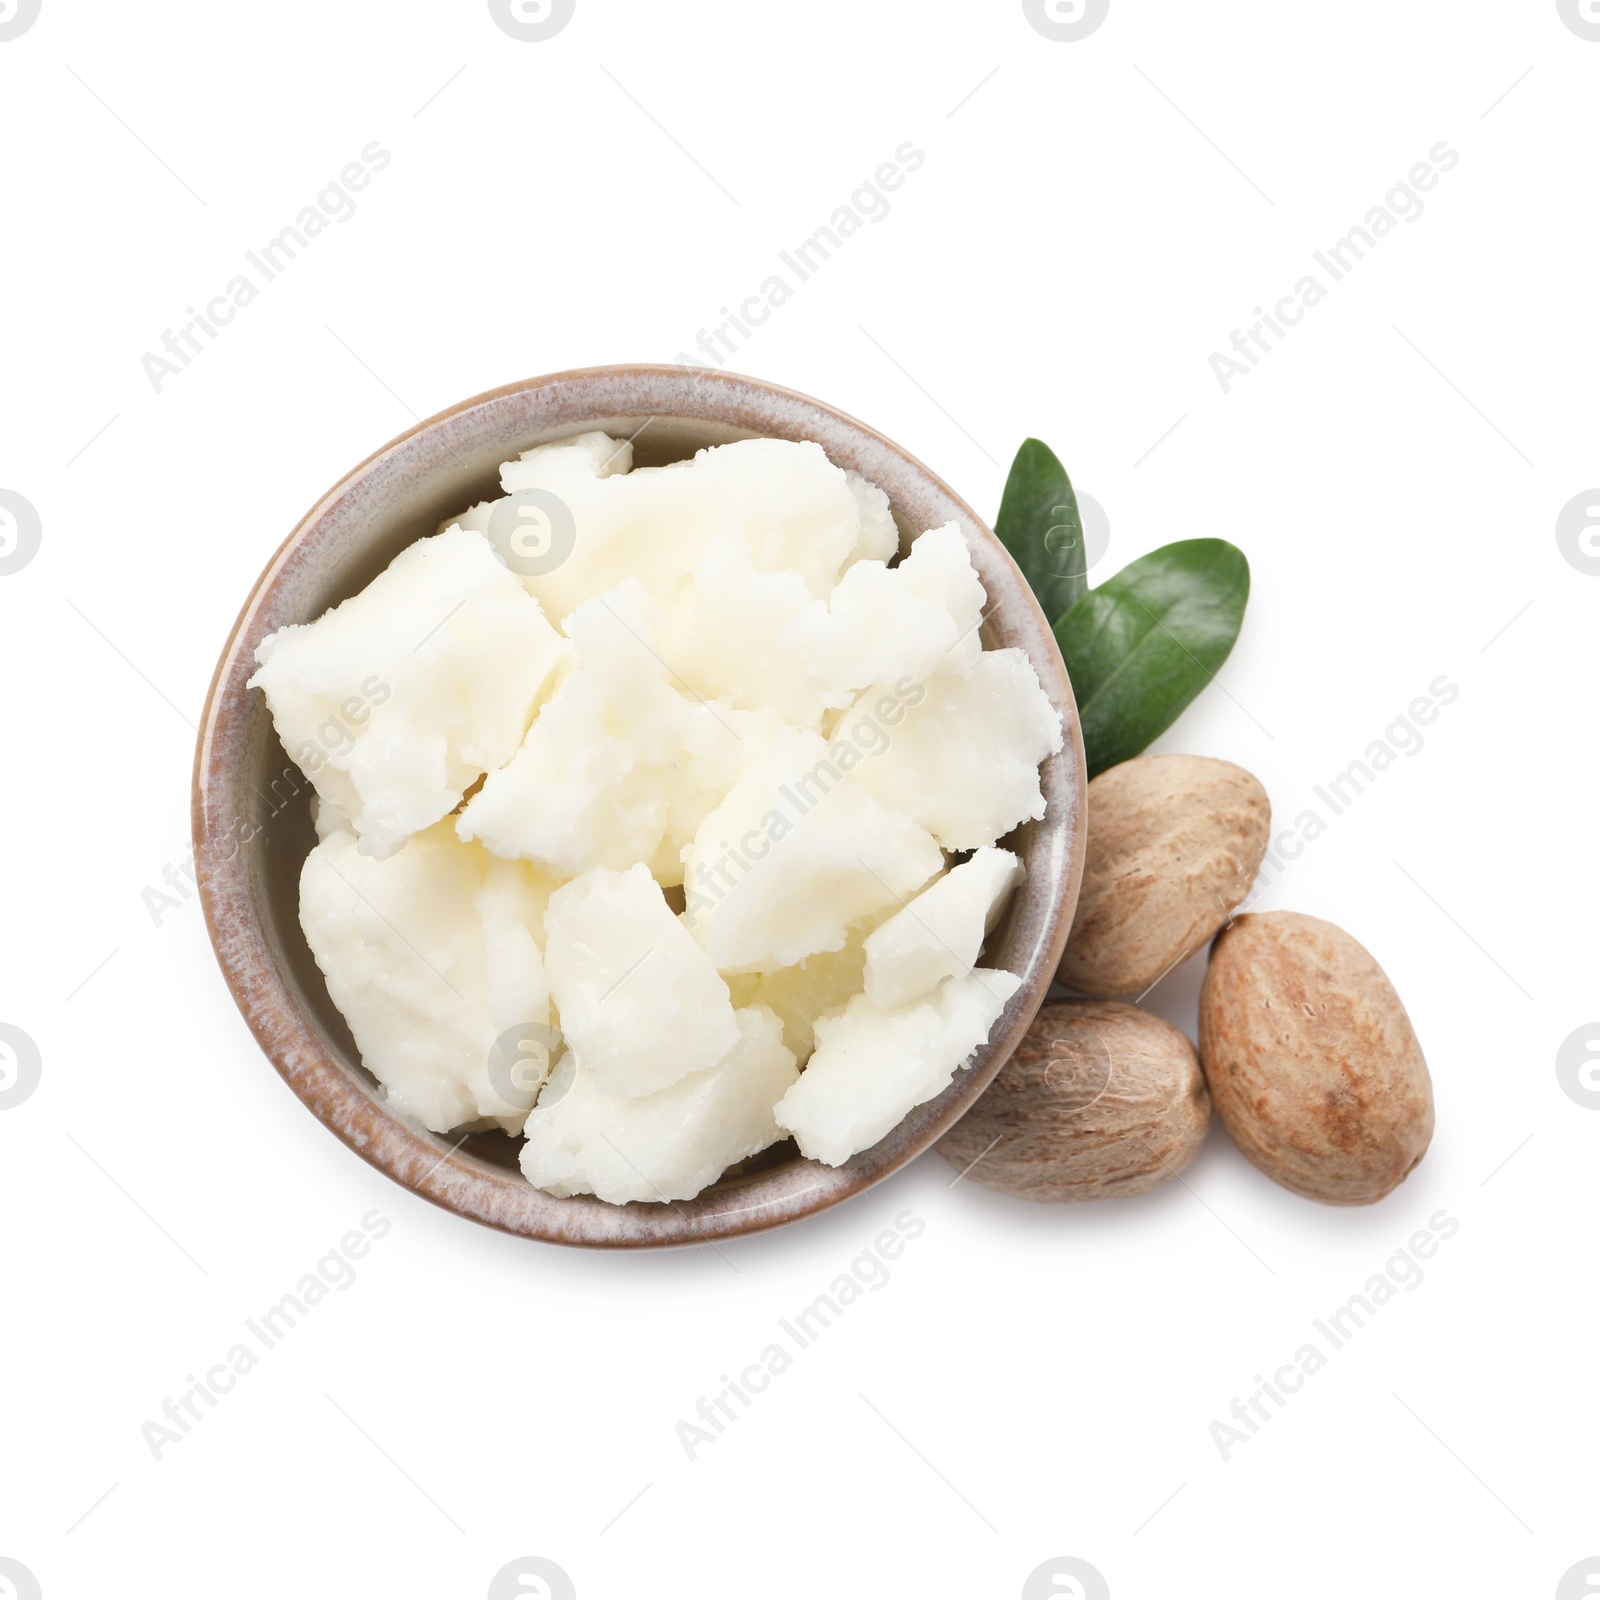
(1039, 524)
(1140, 647)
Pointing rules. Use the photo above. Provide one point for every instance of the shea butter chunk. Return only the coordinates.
(749, 637)
(663, 1146)
(939, 934)
(431, 955)
(812, 988)
(395, 702)
(584, 456)
(639, 1000)
(870, 1067)
(592, 784)
(909, 621)
(964, 762)
(879, 539)
(789, 506)
(592, 455)
(795, 855)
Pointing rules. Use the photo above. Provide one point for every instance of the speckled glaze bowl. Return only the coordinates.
(252, 823)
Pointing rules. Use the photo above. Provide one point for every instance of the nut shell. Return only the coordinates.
(1100, 1099)
(1175, 843)
(1312, 1062)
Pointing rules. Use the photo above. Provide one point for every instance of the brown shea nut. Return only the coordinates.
(1100, 1099)
(1311, 1059)
(1175, 843)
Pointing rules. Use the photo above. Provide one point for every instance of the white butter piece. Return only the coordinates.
(870, 1067)
(616, 757)
(594, 454)
(939, 934)
(663, 1146)
(886, 624)
(795, 855)
(751, 638)
(815, 987)
(639, 1000)
(398, 700)
(964, 762)
(432, 955)
(789, 506)
(879, 538)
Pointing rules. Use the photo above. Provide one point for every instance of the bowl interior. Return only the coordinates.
(248, 785)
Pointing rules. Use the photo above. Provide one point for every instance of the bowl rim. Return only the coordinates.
(424, 1162)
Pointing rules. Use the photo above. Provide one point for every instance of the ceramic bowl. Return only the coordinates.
(252, 822)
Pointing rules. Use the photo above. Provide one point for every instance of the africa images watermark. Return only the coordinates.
(1065, 1578)
(869, 1270)
(1065, 21)
(182, 1413)
(1402, 737)
(868, 203)
(531, 1578)
(1403, 203)
(16, 17)
(532, 21)
(1577, 1066)
(335, 202)
(1577, 532)
(21, 1066)
(1403, 1270)
(21, 532)
(1582, 16)
(863, 738)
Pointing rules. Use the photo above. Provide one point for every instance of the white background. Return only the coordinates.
(1032, 1382)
